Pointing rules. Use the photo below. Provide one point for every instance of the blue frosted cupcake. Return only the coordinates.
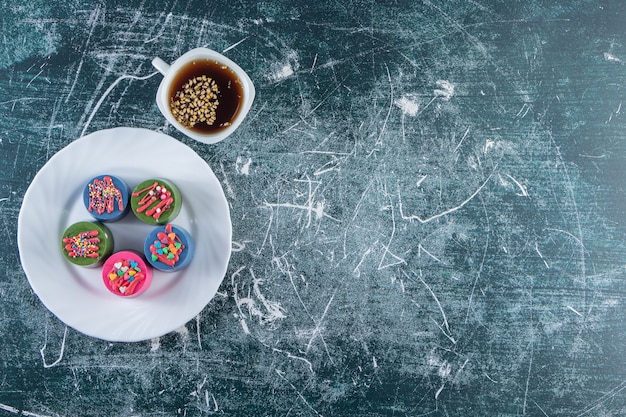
(169, 248)
(106, 198)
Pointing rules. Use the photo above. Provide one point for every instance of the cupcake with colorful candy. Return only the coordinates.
(106, 198)
(169, 248)
(87, 243)
(156, 201)
(125, 274)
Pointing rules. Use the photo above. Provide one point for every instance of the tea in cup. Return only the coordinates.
(203, 94)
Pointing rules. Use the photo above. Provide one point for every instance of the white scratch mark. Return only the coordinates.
(234, 45)
(409, 106)
(583, 266)
(444, 370)
(322, 101)
(612, 393)
(31, 414)
(183, 332)
(540, 409)
(357, 270)
(281, 73)
(9, 408)
(391, 102)
(155, 344)
(292, 356)
(525, 109)
(523, 192)
(318, 325)
(490, 378)
(244, 326)
(241, 316)
(198, 331)
(489, 144)
(273, 310)
(243, 167)
(541, 255)
(576, 239)
(18, 100)
(317, 208)
(446, 212)
(282, 375)
(108, 91)
(460, 370)
(446, 332)
(161, 30)
(311, 207)
(326, 168)
(314, 62)
(397, 259)
(333, 165)
(575, 311)
(420, 180)
(462, 139)
(238, 246)
(439, 390)
(215, 407)
(93, 21)
(445, 90)
(427, 105)
(201, 384)
(326, 153)
(34, 78)
(421, 249)
(611, 57)
(530, 365)
(43, 349)
(283, 266)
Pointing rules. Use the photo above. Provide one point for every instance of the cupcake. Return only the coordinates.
(156, 201)
(87, 243)
(126, 274)
(169, 248)
(106, 198)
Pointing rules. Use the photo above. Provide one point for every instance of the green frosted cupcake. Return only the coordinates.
(87, 243)
(156, 201)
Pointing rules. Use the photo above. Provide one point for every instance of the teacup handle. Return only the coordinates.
(161, 65)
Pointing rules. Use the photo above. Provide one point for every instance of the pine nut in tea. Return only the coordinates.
(205, 96)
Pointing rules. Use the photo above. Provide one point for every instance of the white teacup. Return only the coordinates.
(171, 75)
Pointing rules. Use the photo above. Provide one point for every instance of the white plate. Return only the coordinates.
(76, 295)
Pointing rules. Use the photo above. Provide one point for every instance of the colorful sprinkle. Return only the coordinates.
(125, 276)
(103, 194)
(155, 200)
(167, 248)
(83, 245)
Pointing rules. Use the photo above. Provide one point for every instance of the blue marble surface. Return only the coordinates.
(428, 204)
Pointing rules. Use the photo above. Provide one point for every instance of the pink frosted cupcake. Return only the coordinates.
(126, 274)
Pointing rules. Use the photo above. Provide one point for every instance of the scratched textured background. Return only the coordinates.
(428, 203)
